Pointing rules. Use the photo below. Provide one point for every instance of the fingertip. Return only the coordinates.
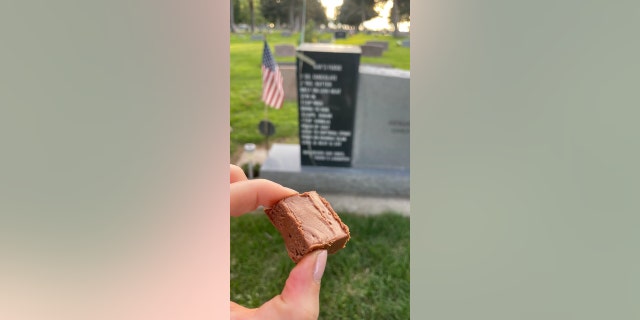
(321, 263)
(246, 196)
(304, 278)
(236, 174)
(289, 192)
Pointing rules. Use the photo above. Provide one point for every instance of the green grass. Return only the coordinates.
(369, 279)
(245, 79)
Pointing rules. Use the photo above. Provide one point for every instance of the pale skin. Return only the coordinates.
(300, 298)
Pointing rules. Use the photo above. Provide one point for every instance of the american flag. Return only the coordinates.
(272, 91)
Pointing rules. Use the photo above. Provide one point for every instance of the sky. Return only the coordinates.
(379, 23)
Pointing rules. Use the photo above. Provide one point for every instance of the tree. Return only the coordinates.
(273, 11)
(232, 18)
(399, 12)
(316, 12)
(252, 15)
(246, 12)
(292, 15)
(355, 12)
(240, 11)
(290, 10)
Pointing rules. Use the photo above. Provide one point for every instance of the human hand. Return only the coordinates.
(300, 298)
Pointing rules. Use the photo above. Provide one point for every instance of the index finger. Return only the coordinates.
(248, 195)
(236, 174)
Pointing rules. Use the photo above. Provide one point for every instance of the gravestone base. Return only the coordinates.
(283, 166)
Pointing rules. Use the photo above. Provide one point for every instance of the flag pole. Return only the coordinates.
(266, 118)
(266, 109)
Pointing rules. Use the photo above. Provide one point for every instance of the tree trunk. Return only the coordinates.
(291, 16)
(253, 22)
(232, 19)
(395, 17)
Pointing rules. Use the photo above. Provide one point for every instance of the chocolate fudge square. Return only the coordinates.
(307, 222)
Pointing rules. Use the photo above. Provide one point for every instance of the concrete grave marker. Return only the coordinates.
(371, 50)
(381, 137)
(383, 44)
(285, 50)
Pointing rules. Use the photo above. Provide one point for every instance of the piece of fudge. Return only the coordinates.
(307, 222)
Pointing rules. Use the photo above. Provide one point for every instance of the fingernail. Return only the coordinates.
(321, 262)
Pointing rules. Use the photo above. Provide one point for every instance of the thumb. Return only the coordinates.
(304, 279)
(300, 298)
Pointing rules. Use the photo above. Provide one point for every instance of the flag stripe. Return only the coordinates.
(272, 89)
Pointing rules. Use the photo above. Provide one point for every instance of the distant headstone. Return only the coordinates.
(405, 43)
(383, 44)
(371, 50)
(327, 90)
(285, 34)
(340, 35)
(257, 37)
(285, 50)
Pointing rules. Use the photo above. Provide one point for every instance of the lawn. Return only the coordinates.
(369, 279)
(245, 79)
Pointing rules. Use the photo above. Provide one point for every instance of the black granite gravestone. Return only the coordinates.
(327, 77)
